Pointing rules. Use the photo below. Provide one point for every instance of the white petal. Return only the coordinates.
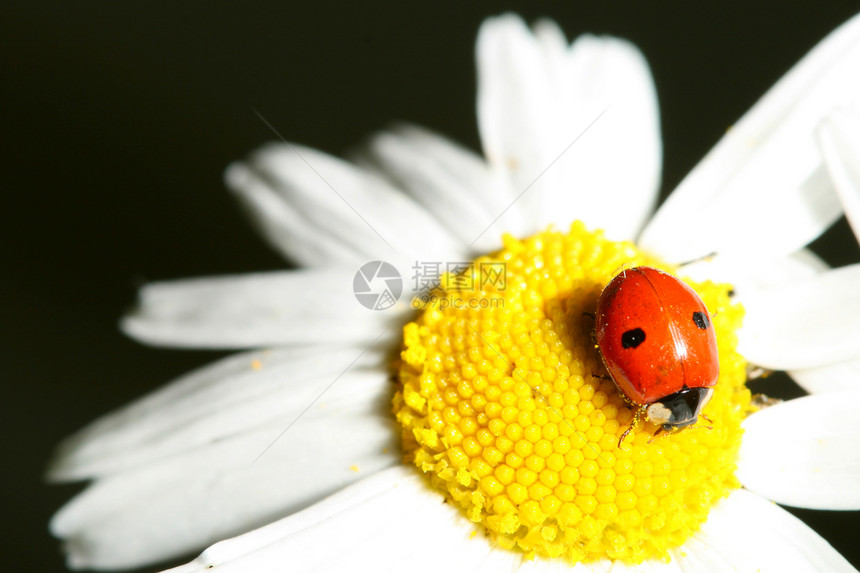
(282, 226)
(805, 452)
(746, 533)
(602, 566)
(651, 566)
(763, 190)
(183, 503)
(385, 520)
(337, 200)
(451, 182)
(750, 276)
(236, 394)
(804, 324)
(576, 128)
(837, 377)
(392, 521)
(265, 309)
(839, 140)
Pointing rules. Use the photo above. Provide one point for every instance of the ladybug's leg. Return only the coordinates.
(708, 420)
(761, 401)
(622, 269)
(639, 412)
(756, 372)
(707, 257)
(627, 431)
(657, 433)
(593, 332)
(602, 377)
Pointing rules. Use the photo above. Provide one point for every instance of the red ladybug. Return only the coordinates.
(657, 342)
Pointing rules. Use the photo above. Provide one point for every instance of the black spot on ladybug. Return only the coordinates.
(633, 338)
(701, 320)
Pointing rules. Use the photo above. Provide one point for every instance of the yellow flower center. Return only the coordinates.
(504, 406)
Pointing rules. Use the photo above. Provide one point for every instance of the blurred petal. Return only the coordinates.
(747, 533)
(319, 210)
(805, 452)
(803, 324)
(839, 140)
(838, 377)
(384, 520)
(253, 310)
(450, 182)
(392, 521)
(751, 276)
(575, 128)
(765, 180)
(387, 519)
(282, 226)
(602, 566)
(182, 503)
(236, 394)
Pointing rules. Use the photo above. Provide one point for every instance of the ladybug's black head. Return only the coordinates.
(679, 409)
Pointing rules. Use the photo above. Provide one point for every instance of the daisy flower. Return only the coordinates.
(510, 438)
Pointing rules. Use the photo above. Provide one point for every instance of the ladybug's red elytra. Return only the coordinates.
(657, 342)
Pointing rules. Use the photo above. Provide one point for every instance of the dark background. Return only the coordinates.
(119, 118)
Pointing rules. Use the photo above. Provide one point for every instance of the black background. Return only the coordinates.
(119, 118)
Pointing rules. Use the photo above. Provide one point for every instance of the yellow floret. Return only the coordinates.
(504, 407)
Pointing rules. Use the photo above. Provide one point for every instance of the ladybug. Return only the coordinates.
(657, 342)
